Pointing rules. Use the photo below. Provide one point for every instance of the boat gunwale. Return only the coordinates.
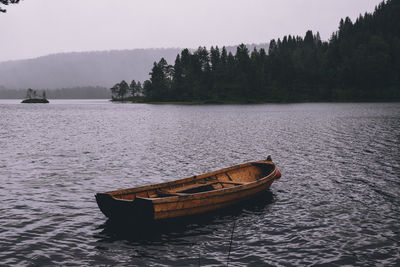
(213, 193)
(134, 190)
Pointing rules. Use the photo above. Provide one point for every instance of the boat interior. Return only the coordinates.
(227, 178)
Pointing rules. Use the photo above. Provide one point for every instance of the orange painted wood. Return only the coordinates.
(193, 195)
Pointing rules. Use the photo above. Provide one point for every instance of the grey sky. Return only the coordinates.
(39, 27)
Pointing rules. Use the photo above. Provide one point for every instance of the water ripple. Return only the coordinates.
(336, 204)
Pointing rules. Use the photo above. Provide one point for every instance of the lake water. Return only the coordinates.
(337, 203)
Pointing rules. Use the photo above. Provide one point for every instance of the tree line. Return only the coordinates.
(123, 91)
(360, 62)
(88, 92)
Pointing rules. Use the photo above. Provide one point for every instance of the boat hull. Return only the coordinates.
(122, 205)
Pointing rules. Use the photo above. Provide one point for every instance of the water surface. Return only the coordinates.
(337, 201)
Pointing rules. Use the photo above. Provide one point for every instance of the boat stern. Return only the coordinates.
(118, 209)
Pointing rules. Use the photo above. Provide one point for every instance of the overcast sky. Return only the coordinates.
(38, 27)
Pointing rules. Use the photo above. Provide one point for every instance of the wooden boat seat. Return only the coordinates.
(192, 186)
(233, 182)
(164, 192)
(179, 191)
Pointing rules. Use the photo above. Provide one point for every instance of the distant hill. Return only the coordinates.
(82, 69)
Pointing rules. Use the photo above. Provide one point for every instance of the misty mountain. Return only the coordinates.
(81, 69)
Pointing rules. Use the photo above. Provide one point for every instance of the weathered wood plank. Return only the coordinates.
(216, 189)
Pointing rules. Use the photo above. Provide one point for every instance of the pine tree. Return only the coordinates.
(123, 89)
(133, 88)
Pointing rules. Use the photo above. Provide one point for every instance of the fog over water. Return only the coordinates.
(336, 203)
(36, 28)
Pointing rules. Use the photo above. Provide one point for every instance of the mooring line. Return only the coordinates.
(199, 259)
(230, 244)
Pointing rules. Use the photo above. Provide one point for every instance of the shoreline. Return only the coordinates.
(249, 102)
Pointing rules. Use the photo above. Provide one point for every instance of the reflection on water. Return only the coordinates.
(183, 231)
(337, 202)
(164, 231)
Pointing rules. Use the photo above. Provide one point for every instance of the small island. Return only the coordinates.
(32, 97)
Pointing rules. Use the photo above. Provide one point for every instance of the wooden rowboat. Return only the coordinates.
(189, 196)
